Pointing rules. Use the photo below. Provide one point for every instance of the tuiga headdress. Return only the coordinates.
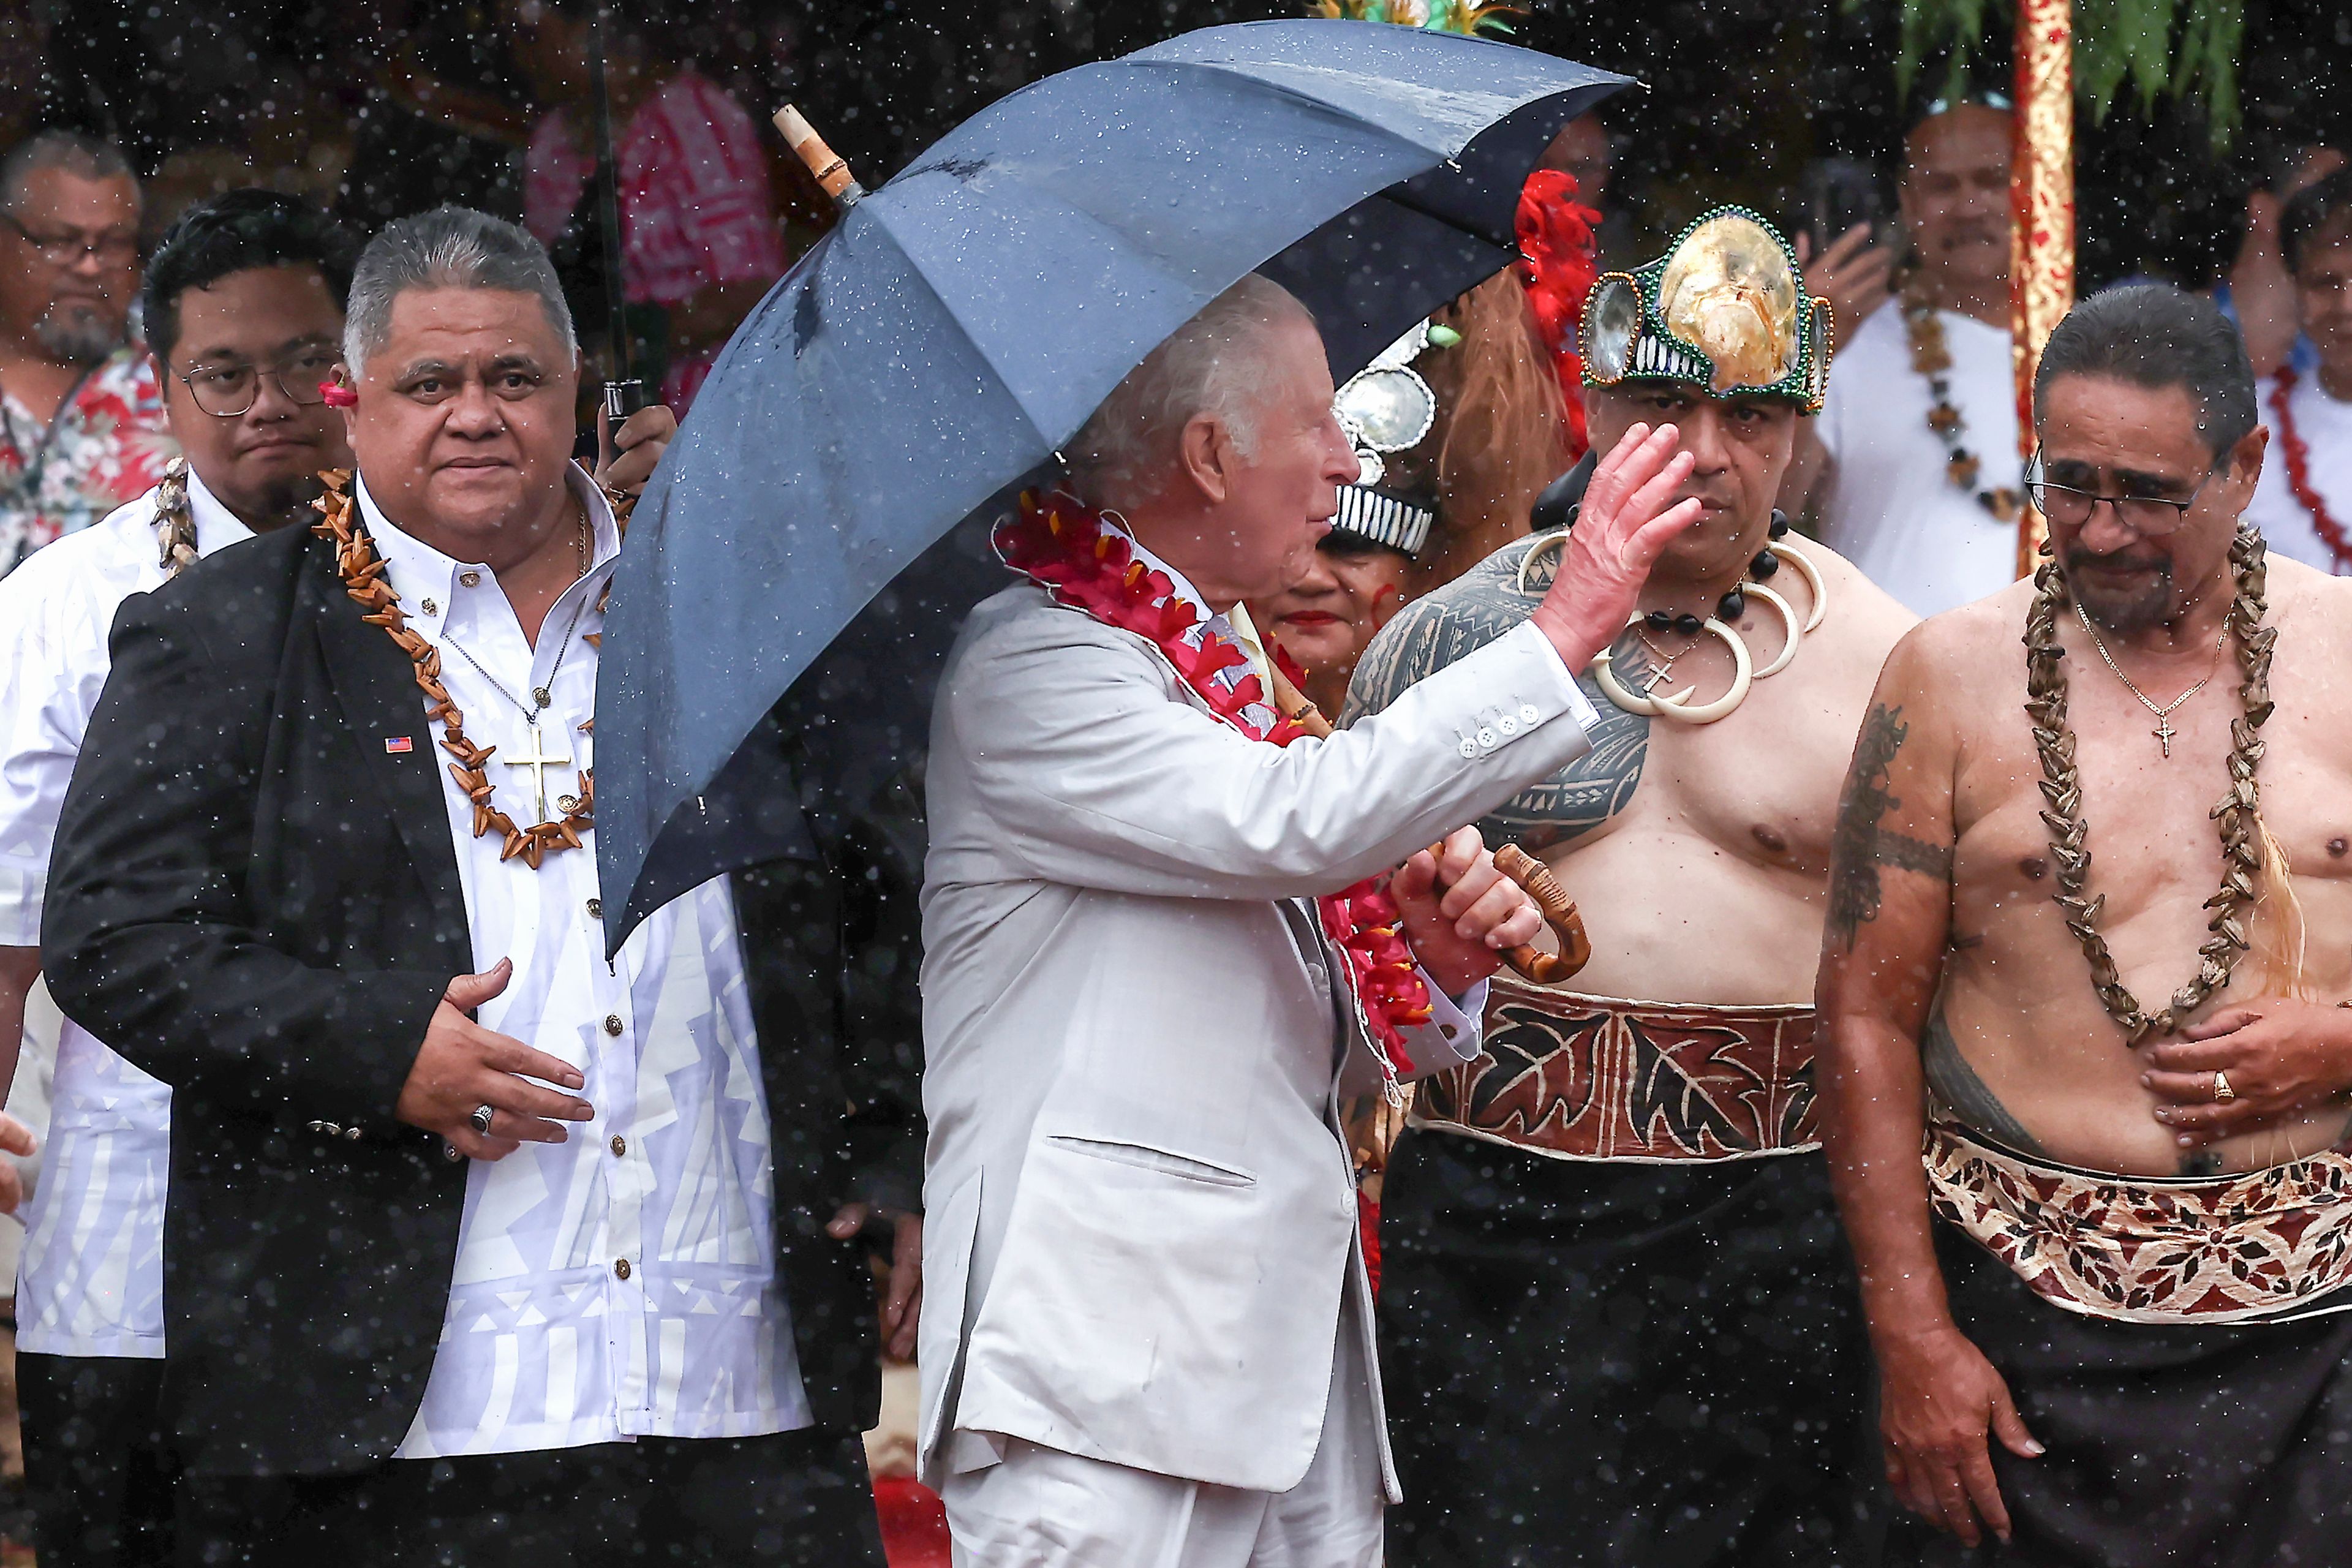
(1724, 310)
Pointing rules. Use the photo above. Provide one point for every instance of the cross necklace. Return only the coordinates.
(2164, 731)
(1662, 664)
(539, 760)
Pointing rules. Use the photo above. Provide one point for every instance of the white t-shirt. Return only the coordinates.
(2325, 424)
(1891, 509)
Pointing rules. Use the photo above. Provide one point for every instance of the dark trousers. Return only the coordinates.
(97, 1473)
(1618, 1365)
(795, 1499)
(2170, 1444)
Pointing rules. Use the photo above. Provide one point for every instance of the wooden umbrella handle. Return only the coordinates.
(1559, 913)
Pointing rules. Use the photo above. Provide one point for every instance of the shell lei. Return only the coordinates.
(1061, 544)
(363, 573)
(175, 525)
(2238, 811)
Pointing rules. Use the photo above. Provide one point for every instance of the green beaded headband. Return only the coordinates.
(1726, 310)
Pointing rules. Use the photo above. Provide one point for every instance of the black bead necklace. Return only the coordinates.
(1732, 606)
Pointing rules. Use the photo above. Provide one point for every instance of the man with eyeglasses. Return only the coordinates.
(2089, 945)
(81, 417)
(243, 302)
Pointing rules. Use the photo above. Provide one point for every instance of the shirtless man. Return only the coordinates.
(1620, 1327)
(2133, 1273)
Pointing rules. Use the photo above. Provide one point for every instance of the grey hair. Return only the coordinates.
(2159, 336)
(1212, 365)
(448, 247)
(77, 152)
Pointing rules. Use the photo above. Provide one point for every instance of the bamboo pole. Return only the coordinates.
(2042, 214)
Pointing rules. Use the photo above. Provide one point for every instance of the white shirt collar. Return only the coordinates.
(216, 527)
(429, 581)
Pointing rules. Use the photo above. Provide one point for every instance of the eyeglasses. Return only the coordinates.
(2150, 517)
(230, 390)
(66, 249)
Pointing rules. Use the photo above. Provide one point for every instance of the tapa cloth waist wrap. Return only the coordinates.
(1572, 1077)
(2269, 1244)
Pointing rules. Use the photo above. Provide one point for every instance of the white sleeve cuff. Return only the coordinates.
(1453, 1023)
(20, 906)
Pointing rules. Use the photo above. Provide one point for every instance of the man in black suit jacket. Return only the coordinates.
(264, 892)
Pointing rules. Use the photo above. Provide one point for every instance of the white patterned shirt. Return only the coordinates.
(91, 1280)
(623, 1283)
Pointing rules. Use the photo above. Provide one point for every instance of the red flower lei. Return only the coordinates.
(1062, 546)
(1557, 270)
(2298, 473)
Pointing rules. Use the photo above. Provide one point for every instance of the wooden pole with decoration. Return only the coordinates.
(2042, 214)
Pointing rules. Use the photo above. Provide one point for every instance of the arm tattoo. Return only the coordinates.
(1860, 847)
(1465, 615)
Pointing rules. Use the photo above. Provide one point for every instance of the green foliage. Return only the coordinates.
(2179, 49)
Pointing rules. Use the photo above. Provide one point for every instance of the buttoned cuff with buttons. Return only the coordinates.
(1516, 713)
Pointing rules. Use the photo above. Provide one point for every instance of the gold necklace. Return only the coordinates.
(362, 572)
(2164, 731)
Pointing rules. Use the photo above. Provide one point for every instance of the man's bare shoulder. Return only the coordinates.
(2312, 611)
(1864, 621)
(2291, 583)
(1956, 642)
(1445, 625)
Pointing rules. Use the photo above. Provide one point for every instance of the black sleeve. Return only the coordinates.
(147, 937)
(881, 870)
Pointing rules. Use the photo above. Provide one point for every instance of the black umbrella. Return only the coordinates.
(939, 345)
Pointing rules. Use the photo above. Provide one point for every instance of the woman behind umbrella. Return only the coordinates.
(1356, 582)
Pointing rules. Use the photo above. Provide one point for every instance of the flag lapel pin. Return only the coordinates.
(398, 745)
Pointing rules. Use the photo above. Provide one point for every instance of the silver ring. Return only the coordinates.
(481, 1120)
(2222, 1090)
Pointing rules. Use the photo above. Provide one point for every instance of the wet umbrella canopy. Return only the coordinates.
(960, 325)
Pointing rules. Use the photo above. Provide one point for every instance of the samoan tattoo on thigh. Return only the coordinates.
(1469, 612)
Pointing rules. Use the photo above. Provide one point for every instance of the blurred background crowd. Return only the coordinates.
(388, 108)
(383, 109)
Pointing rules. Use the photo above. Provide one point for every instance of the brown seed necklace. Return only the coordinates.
(2237, 814)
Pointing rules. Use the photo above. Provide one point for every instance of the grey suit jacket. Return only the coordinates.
(1140, 1217)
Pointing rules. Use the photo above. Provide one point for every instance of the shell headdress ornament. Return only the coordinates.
(1726, 310)
(1389, 407)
